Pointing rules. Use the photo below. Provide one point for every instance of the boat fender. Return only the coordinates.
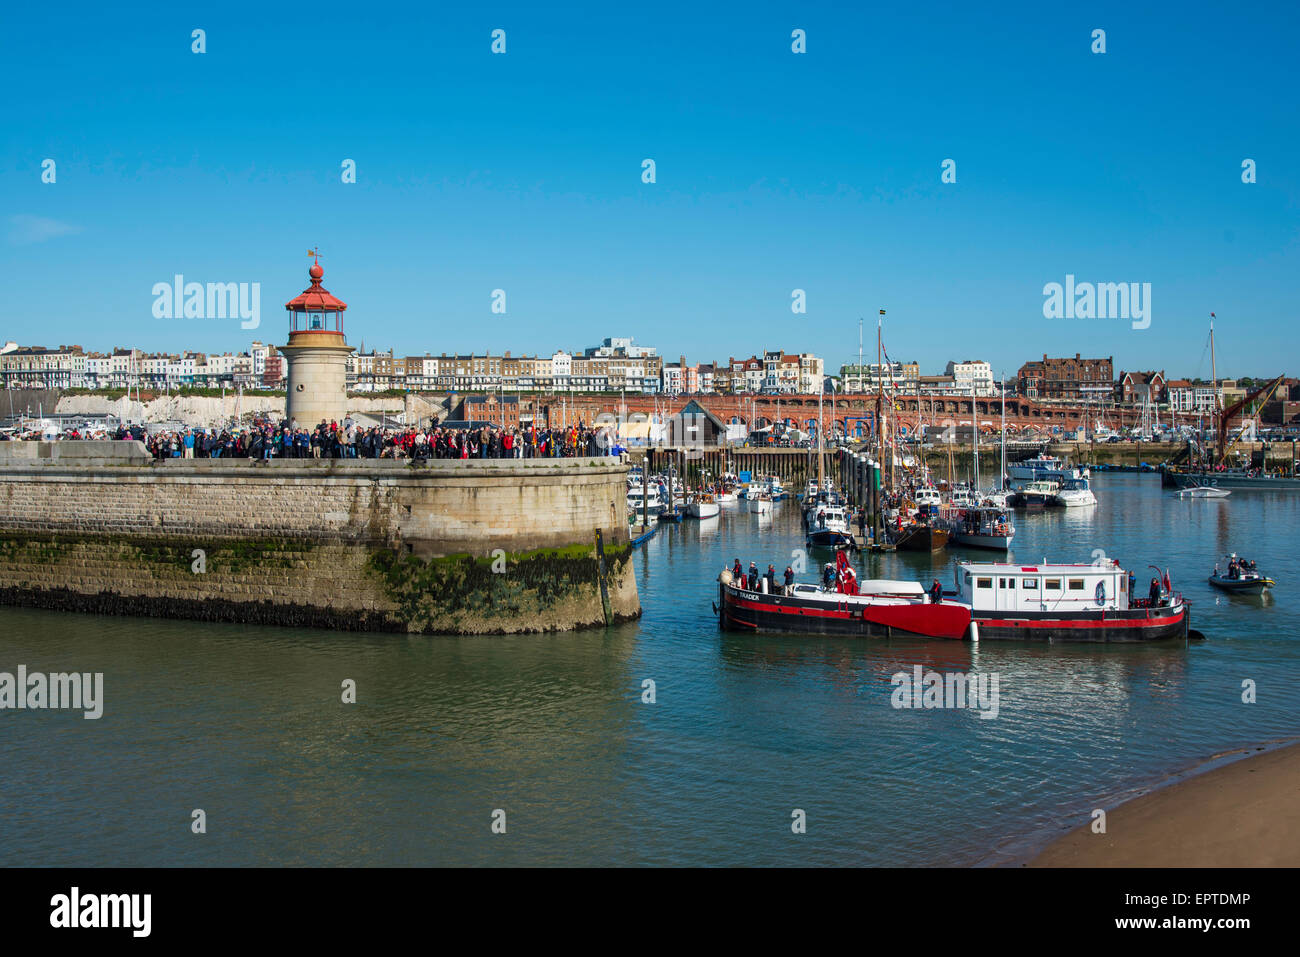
(1101, 593)
(725, 576)
(975, 631)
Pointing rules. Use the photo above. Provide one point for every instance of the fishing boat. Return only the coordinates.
(994, 498)
(760, 504)
(1065, 602)
(989, 528)
(1034, 495)
(920, 536)
(881, 609)
(927, 495)
(702, 506)
(830, 529)
(1240, 578)
(963, 497)
(726, 497)
(1216, 473)
(1074, 493)
(1203, 491)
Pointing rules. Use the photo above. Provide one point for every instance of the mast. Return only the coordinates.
(821, 456)
(975, 436)
(1214, 396)
(880, 404)
(1002, 478)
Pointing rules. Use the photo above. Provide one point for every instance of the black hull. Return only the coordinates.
(1228, 480)
(921, 538)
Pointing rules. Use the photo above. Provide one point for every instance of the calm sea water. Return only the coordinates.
(247, 723)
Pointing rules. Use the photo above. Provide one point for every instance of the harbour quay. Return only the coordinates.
(433, 546)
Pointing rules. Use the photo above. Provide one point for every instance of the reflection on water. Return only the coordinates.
(247, 723)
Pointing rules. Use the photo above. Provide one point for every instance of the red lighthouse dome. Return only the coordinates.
(315, 310)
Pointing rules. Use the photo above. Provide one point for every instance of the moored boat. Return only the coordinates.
(702, 506)
(989, 528)
(920, 537)
(1034, 495)
(830, 529)
(1074, 493)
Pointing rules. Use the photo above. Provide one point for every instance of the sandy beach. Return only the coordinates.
(1242, 814)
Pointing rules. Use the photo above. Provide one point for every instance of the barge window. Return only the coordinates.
(1030, 583)
(1076, 584)
(1053, 584)
(984, 583)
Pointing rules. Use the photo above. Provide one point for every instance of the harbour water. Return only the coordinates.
(247, 724)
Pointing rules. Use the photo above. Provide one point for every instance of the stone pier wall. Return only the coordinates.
(455, 547)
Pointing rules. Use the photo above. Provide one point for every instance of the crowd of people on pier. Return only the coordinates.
(348, 440)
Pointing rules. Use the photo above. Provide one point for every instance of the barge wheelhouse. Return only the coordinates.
(1065, 603)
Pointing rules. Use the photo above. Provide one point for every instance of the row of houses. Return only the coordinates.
(617, 364)
(71, 367)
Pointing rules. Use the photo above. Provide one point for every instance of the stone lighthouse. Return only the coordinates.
(317, 355)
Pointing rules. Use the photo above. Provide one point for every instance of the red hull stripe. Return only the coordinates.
(1079, 622)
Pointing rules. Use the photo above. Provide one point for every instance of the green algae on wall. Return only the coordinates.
(432, 593)
(230, 556)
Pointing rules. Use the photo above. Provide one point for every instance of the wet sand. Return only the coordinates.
(1242, 814)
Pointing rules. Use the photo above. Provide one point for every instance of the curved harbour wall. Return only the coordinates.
(446, 547)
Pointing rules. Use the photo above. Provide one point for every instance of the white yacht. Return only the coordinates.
(653, 504)
(702, 506)
(1074, 492)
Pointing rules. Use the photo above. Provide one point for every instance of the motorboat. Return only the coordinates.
(1203, 491)
(982, 528)
(829, 528)
(1240, 577)
(702, 506)
(760, 504)
(652, 505)
(1073, 493)
(1034, 495)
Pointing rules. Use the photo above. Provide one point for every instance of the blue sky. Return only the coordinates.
(775, 171)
